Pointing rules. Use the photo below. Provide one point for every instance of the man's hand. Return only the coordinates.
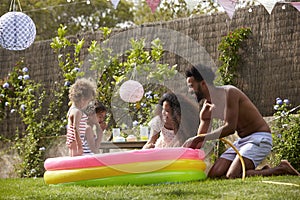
(194, 142)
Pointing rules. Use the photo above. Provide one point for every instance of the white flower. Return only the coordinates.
(135, 123)
(283, 113)
(6, 85)
(25, 69)
(42, 148)
(286, 101)
(279, 102)
(22, 107)
(148, 94)
(67, 83)
(26, 77)
(76, 69)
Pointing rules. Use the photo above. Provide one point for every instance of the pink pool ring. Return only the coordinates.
(166, 165)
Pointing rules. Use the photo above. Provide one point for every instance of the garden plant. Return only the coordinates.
(24, 97)
(42, 122)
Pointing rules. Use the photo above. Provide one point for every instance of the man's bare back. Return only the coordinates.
(249, 119)
(235, 109)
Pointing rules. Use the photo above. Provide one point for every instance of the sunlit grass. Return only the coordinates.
(251, 188)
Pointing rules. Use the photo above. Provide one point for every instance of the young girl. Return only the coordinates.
(80, 94)
(176, 121)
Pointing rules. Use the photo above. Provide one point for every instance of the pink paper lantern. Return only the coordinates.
(131, 91)
(17, 31)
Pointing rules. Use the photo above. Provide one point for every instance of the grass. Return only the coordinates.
(251, 188)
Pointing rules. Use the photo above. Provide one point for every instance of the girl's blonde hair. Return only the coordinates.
(82, 89)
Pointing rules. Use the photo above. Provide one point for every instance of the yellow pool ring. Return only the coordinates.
(73, 175)
(239, 155)
(157, 177)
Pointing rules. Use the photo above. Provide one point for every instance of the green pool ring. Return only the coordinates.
(157, 177)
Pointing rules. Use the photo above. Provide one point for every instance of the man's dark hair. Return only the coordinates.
(206, 73)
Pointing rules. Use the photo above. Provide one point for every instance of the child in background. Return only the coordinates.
(94, 130)
(80, 94)
(101, 114)
(176, 121)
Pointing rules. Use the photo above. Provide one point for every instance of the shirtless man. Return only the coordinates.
(238, 114)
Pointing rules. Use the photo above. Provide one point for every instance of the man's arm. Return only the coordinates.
(231, 112)
(205, 118)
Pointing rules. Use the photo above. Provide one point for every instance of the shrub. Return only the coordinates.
(286, 133)
(24, 97)
(40, 121)
(229, 55)
(134, 64)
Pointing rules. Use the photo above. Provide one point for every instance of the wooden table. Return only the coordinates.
(106, 146)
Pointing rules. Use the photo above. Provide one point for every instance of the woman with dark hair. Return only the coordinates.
(176, 120)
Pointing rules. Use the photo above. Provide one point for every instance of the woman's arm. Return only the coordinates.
(151, 142)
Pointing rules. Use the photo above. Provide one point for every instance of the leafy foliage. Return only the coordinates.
(112, 70)
(229, 55)
(286, 133)
(77, 15)
(23, 96)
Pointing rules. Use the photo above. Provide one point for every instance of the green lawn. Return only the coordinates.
(251, 188)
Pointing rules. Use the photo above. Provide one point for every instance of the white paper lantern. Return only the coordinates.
(131, 91)
(17, 31)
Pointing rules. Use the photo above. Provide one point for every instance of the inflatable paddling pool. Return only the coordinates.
(138, 167)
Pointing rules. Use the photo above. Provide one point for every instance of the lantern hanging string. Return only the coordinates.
(12, 6)
(132, 77)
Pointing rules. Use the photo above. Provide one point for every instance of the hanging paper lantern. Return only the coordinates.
(17, 31)
(131, 91)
